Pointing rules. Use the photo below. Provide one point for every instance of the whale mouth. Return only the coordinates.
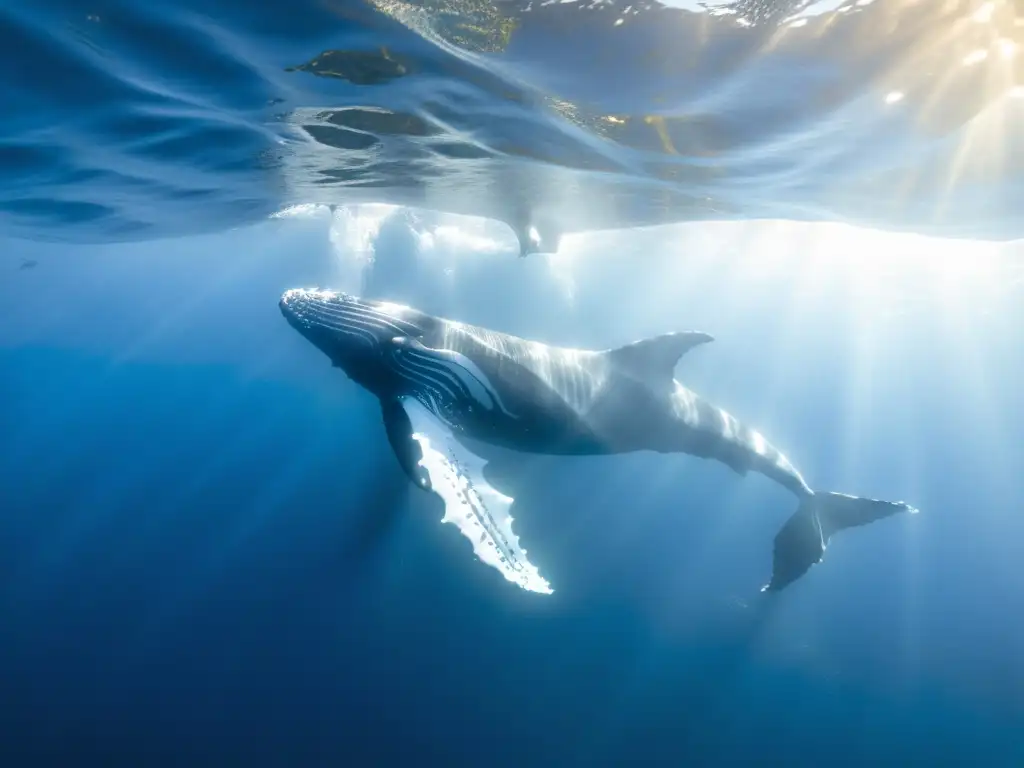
(318, 313)
(332, 318)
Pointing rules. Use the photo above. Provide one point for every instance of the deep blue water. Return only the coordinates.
(208, 554)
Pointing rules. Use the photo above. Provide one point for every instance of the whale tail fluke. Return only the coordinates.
(801, 542)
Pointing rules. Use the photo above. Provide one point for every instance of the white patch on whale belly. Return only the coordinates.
(478, 510)
(472, 378)
(461, 368)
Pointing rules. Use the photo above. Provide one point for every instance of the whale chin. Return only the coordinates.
(349, 330)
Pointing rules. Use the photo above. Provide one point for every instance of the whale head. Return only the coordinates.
(356, 334)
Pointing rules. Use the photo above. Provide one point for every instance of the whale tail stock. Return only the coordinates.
(802, 540)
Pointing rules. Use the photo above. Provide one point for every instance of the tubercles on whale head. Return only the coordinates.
(296, 299)
(296, 296)
(351, 331)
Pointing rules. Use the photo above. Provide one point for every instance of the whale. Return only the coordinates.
(447, 388)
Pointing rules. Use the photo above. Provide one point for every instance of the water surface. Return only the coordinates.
(132, 121)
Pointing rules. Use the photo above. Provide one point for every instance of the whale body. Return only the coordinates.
(443, 385)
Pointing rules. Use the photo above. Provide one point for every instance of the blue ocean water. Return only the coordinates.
(208, 554)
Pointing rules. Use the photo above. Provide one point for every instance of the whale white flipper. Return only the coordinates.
(476, 508)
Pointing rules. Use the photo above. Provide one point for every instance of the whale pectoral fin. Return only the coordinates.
(407, 450)
(655, 358)
(473, 505)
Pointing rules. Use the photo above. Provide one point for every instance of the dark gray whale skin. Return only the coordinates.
(505, 391)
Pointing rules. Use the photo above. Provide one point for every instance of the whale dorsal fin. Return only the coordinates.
(655, 358)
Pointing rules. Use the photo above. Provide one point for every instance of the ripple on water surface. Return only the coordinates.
(146, 120)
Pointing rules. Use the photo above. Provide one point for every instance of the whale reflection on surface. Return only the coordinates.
(553, 118)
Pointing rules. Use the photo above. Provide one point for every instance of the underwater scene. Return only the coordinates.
(503, 382)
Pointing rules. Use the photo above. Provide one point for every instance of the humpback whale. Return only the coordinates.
(444, 386)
